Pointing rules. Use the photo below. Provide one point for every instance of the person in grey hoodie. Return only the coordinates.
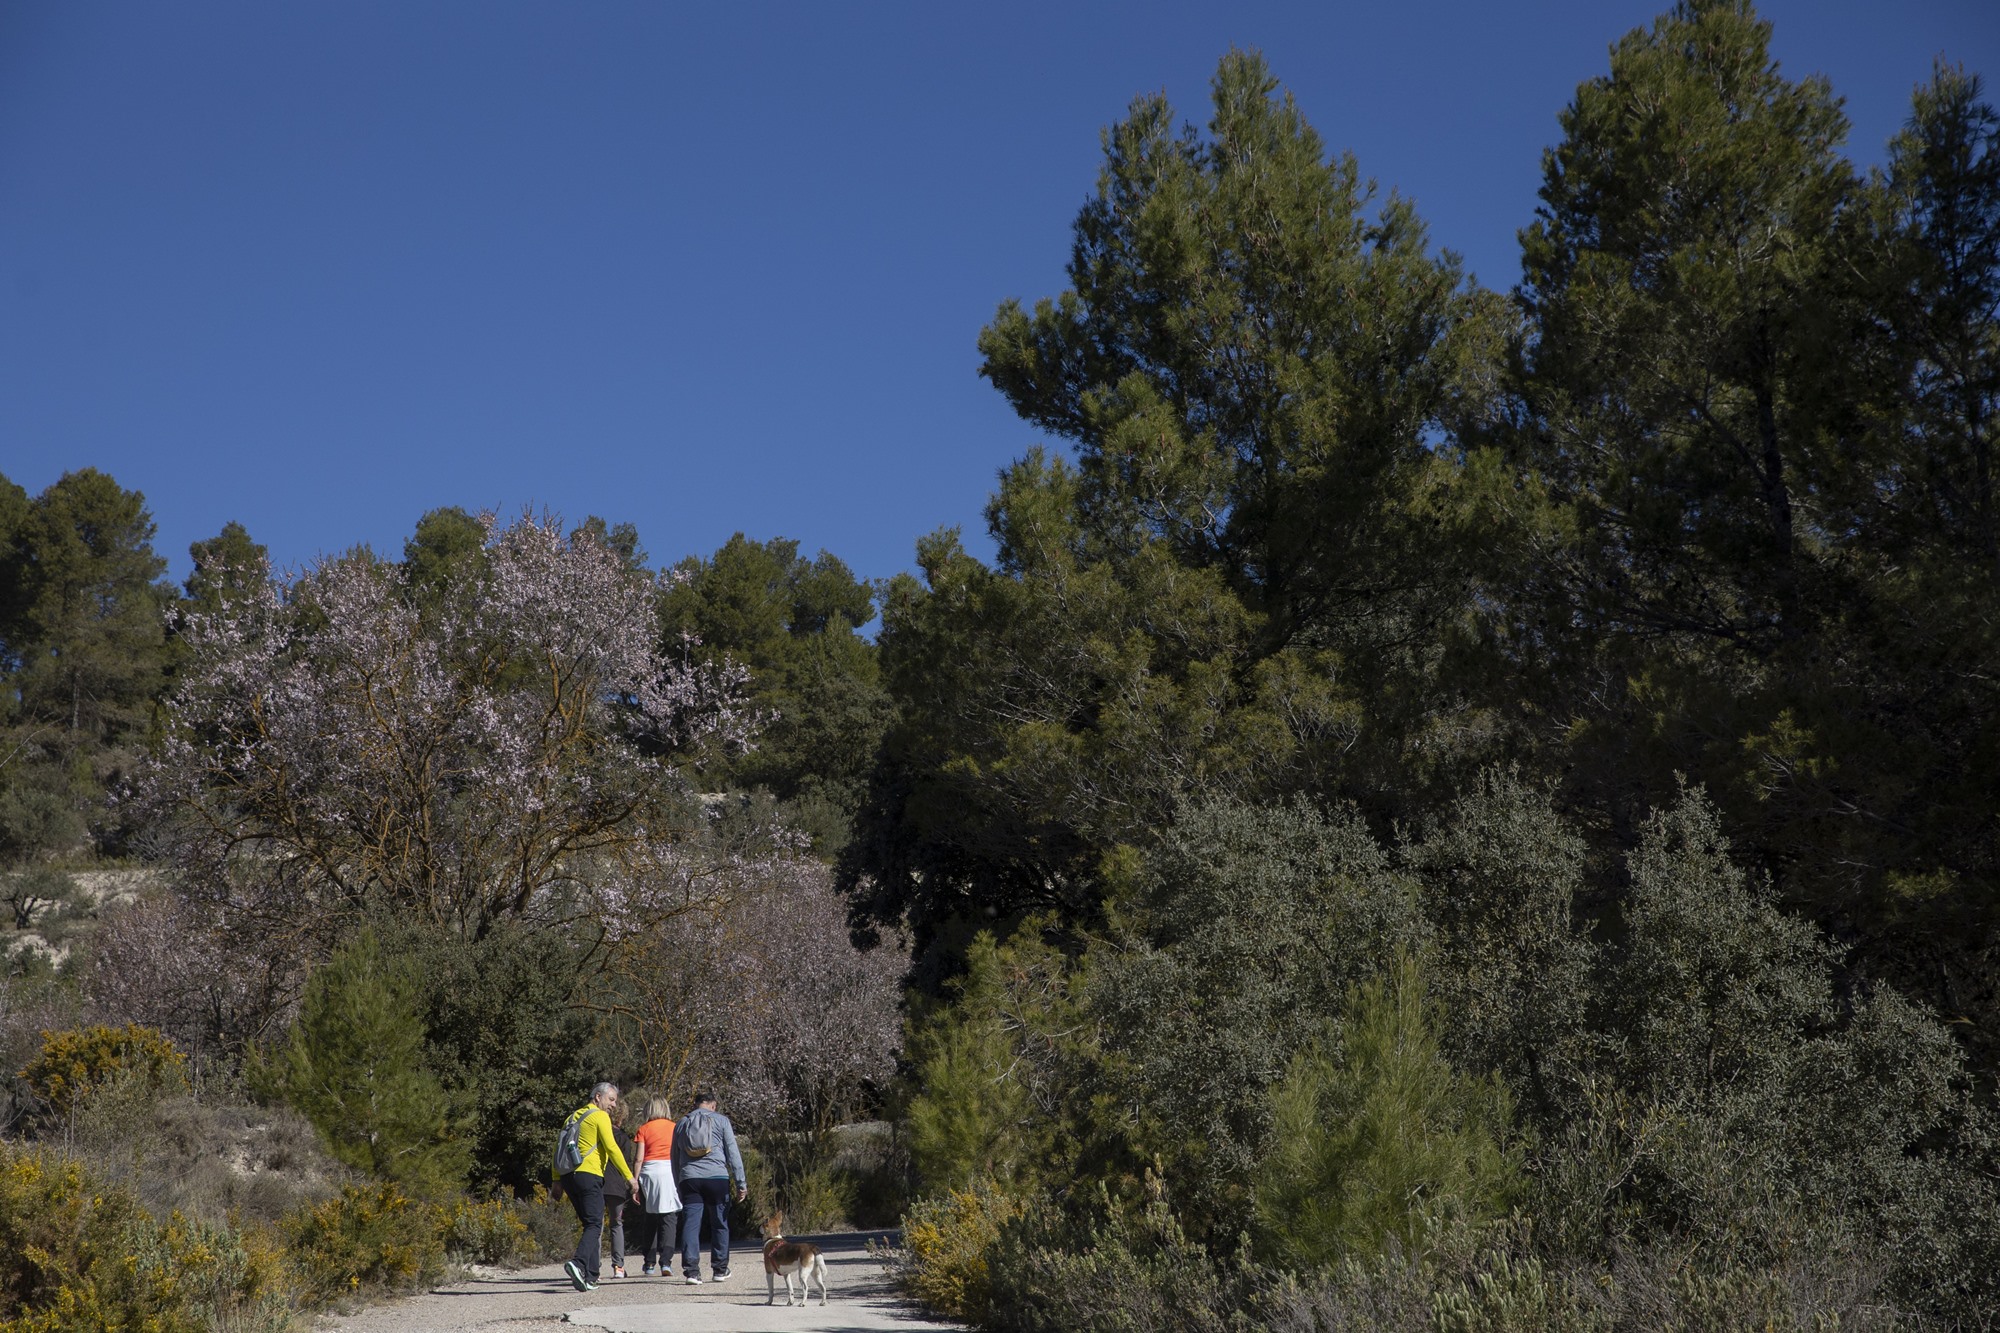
(707, 1161)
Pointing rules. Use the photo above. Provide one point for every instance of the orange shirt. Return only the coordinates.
(656, 1140)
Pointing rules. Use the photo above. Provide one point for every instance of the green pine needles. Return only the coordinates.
(1376, 1137)
(354, 1066)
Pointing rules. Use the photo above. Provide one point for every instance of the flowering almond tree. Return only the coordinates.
(501, 747)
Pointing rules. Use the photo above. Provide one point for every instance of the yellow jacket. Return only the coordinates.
(597, 1143)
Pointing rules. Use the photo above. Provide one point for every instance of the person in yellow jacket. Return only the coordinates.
(585, 1185)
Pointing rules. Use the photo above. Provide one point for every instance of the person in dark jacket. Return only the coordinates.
(618, 1190)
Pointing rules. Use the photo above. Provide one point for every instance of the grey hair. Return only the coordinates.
(599, 1089)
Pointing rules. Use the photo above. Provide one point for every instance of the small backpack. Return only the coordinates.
(698, 1136)
(569, 1142)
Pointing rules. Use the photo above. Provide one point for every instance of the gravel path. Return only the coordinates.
(541, 1300)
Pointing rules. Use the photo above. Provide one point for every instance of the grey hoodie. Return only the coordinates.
(726, 1164)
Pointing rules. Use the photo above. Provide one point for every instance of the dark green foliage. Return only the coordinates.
(970, 1118)
(1501, 874)
(623, 538)
(504, 1031)
(354, 1066)
(226, 566)
(1095, 1265)
(792, 622)
(1256, 569)
(1247, 930)
(446, 550)
(1746, 1088)
(1377, 1139)
(82, 658)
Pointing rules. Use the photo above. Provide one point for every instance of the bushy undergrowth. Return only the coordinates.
(78, 1255)
(74, 1063)
(146, 1206)
(947, 1248)
(1703, 1122)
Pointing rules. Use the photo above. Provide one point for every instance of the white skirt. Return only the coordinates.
(656, 1188)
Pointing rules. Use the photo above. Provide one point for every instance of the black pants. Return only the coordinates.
(658, 1236)
(586, 1195)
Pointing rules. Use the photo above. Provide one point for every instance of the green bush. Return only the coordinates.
(354, 1066)
(372, 1238)
(74, 1063)
(946, 1245)
(493, 1232)
(551, 1223)
(969, 1117)
(76, 1255)
(1054, 1269)
(1377, 1136)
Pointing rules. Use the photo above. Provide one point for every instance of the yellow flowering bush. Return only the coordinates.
(946, 1242)
(75, 1063)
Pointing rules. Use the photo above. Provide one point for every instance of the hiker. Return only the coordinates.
(619, 1191)
(583, 1149)
(659, 1201)
(706, 1159)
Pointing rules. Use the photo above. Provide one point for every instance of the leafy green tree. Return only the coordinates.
(83, 643)
(447, 550)
(1376, 1137)
(794, 623)
(507, 1032)
(226, 566)
(622, 538)
(1673, 375)
(1735, 1089)
(1254, 572)
(971, 1116)
(1502, 874)
(354, 1066)
(1756, 393)
(1241, 934)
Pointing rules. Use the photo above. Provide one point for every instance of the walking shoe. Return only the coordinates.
(618, 1270)
(575, 1275)
(590, 1286)
(692, 1280)
(719, 1275)
(647, 1271)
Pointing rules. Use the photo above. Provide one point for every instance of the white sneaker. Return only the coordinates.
(692, 1280)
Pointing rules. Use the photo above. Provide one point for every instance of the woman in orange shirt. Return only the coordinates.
(656, 1192)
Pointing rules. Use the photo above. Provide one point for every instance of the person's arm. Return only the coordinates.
(735, 1158)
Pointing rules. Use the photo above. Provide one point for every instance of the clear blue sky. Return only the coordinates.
(318, 267)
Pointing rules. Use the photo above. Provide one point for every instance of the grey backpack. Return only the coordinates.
(698, 1136)
(569, 1142)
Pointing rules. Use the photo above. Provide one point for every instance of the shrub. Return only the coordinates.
(1378, 1135)
(493, 1232)
(946, 1243)
(1109, 1267)
(1248, 926)
(75, 1062)
(371, 1238)
(75, 1254)
(551, 1223)
(354, 1067)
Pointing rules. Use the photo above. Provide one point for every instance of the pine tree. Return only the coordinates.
(354, 1065)
(1376, 1137)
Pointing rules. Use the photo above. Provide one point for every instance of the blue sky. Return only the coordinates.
(319, 267)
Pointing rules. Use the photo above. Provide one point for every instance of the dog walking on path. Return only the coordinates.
(789, 1257)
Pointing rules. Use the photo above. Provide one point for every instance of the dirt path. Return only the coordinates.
(541, 1300)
